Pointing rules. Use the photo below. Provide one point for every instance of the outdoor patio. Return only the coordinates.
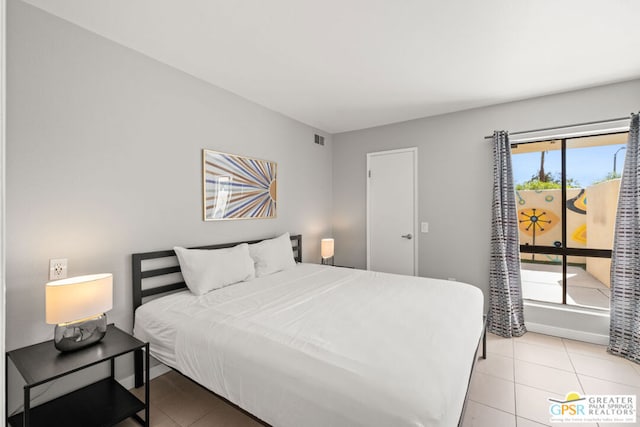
(543, 282)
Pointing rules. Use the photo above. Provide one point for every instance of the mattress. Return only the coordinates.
(325, 346)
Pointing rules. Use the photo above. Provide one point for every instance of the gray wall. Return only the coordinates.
(104, 160)
(455, 174)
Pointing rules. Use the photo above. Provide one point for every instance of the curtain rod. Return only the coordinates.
(562, 127)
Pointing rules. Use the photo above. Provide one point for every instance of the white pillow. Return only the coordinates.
(272, 255)
(207, 269)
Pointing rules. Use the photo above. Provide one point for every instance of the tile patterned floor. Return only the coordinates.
(179, 402)
(510, 388)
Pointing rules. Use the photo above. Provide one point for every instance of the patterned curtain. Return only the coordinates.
(505, 298)
(624, 329)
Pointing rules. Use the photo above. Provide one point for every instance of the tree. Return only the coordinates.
(608, 177)
(542, 177)
(546, 181)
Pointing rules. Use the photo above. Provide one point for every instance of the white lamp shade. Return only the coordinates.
(78, 298)
(326, 248)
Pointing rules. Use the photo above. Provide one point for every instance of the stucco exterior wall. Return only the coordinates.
(542, 210)
(591, 215)
(601, 220)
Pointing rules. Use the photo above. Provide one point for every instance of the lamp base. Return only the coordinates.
(74, 336)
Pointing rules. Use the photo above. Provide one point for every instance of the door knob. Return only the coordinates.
(407, 236)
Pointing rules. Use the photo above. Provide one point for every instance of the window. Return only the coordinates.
(567, 196)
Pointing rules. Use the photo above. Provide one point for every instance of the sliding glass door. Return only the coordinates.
(567, 195)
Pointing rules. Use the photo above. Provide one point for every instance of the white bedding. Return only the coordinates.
(325, 346)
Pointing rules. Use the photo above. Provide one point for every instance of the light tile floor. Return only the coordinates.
(178, 402)
(510, 388)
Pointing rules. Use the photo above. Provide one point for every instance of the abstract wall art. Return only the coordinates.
(238, 187)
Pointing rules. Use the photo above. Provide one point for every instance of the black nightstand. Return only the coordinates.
(103, 403)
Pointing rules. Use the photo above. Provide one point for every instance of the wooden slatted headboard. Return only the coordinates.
(139, 274)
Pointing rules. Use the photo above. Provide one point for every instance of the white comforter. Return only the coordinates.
(325, 346)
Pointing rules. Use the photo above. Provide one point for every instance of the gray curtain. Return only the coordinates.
(624, 330)
(505, 289)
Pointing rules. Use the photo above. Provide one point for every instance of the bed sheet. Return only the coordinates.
(325, 346)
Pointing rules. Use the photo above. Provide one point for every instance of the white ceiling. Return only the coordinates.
(341, 65)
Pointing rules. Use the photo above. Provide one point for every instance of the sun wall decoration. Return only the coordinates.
(534, 222)
(237, 187)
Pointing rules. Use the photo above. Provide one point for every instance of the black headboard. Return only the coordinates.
(139, 274)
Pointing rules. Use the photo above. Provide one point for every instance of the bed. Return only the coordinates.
(318, 345)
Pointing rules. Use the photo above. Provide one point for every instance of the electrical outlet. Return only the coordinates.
(57, 269)
(424, 227)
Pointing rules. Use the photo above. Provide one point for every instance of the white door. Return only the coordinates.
(392, 211)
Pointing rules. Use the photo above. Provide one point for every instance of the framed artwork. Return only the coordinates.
(238, 187)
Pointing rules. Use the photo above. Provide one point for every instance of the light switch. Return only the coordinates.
(424, 227)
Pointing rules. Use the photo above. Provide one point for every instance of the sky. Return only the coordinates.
(584, 165)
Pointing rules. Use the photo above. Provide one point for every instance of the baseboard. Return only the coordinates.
(154, 371)
(568, 333)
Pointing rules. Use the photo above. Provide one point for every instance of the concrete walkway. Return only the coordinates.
(543, 282)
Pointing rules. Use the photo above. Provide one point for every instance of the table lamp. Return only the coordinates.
(77, 307)
(326, 250)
